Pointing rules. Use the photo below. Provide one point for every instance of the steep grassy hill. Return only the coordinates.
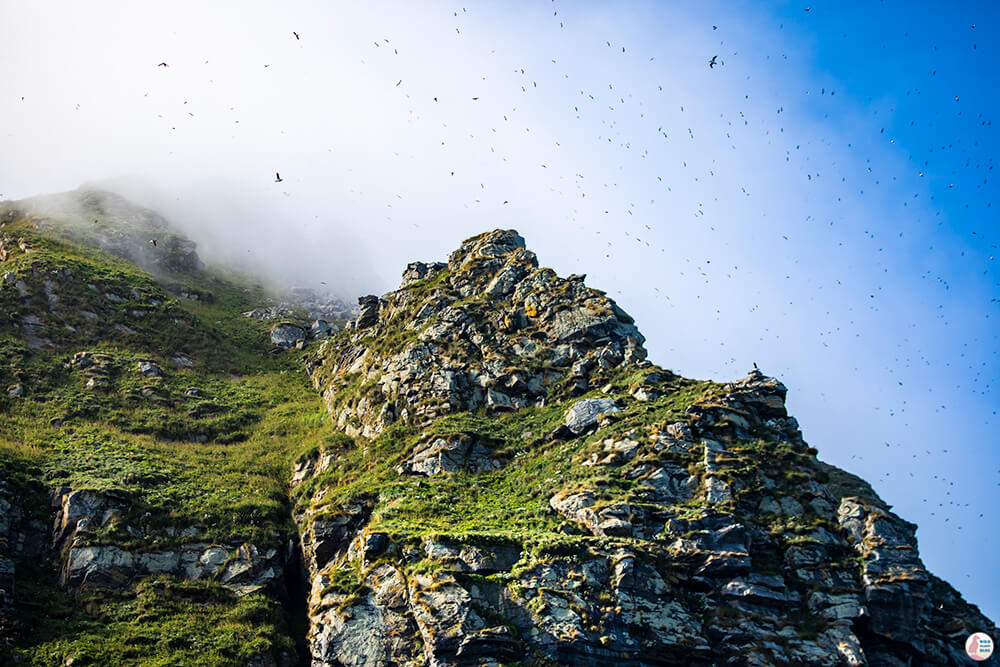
(154, 390)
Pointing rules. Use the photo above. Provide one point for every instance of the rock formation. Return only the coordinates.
(500, 477)
(620, 514)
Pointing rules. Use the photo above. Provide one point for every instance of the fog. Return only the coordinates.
(808, 203)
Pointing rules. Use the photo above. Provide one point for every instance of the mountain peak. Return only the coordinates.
(488, 329)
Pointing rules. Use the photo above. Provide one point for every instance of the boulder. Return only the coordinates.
(149, 369)
(320, 329)
(287, 335)
(583, 415)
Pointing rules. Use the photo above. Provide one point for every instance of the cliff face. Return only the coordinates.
(490, 473)
(523, 486)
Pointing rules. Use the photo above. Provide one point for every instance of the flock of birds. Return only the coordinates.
(615, 100)
(619, 117)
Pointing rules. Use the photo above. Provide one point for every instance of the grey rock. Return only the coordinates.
(768, 505)
(448, 455)
(320, 330)
(670, 484)
(419, 270)
(584, 414)
(717, 490)
(287, 335)
(368, 310)
(503, 283)
(582, 324)
(844, 606)
(754, 592)
(149, 369)
(791, 506)
(31, 324)
(376, 631)
(182, 360)
(498, 400)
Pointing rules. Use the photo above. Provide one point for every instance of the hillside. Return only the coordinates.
(481, 467)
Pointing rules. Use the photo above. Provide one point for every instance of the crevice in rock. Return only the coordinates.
(296, 602)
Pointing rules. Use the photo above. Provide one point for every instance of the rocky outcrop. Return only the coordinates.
(118, 226)
(675, 523)
(86, 562)
(453, 454)
(489, 329)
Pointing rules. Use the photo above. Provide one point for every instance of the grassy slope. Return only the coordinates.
(217, 458)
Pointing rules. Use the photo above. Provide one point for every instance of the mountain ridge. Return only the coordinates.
(480, 467)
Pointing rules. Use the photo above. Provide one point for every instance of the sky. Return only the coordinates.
(818, 201)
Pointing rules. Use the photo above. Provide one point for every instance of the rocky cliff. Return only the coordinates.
(480, 467)
(521, 485)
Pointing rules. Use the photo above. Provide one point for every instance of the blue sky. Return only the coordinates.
(820, 202)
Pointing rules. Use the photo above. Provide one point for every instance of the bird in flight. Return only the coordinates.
(277, 177)
(296, 34)
(163, 65)
(153, 241)
(713, 62)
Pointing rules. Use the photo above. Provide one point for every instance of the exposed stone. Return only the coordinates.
(149, 369)
(320, 330)
(584, 414)
(453, 454)
(287, 335)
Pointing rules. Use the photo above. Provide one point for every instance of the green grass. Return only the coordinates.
(208, 446)
(160, 621)
(232, 491)
(511, 503)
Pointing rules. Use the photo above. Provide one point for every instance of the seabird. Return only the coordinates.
(163, 65)
(296, 34)
(277, 177)
(713, 62)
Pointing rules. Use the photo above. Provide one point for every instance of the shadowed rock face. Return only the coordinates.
(688, 524)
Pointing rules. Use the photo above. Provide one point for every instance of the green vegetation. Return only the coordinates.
(160, 621)
(204, 439)
(511, 503)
